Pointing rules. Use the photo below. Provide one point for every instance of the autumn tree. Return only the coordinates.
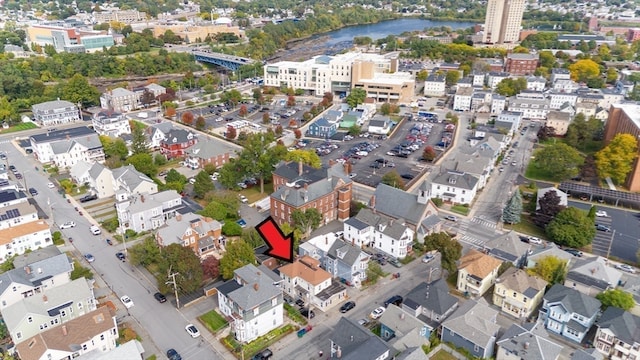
(552, 269)
(147, 98)
(278, 131)
(243, 111)
(616, 297)
(306, 221)
(583, 70)
(393, 179)
(559, 160)
(571, 227)
(617, 158)
(231, 133)
(450, 250)
(291, 101)
(513, 209)
(237, 254)
(170, 112)
(308, 157)
(201, 123)
(429, 153)
(187, 118)
(297, 133)
(548, 207)
(211, 267)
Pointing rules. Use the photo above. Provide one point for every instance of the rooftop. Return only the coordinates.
(478, 264)
(306, 268)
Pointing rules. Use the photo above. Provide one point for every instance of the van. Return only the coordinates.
(95, 230)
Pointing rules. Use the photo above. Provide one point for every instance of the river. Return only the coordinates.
(336, 41)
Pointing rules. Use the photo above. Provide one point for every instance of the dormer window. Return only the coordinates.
(452, 180)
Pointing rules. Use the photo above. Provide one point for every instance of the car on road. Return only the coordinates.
(68, 225)
(534, 240)
(604, 228)
(172, 354)
(347, 306)
(626, 268)
(265, 354)
(513, 163)
(574, 252)
(428, 258)
(501, 169)
(95, 230)
(395, 262)
(18, 176)
(109, 242)
(601, 213)
(363, 322)
(89, 258)
(128, 303)
(161, 298)
(308, 313)
(51, 185)
(377, 312)
(395, 300)
(451, 218)
(300, 302)
(120, 256)
(33, 191)
(192, 330)
(352, 175)
(243, 199)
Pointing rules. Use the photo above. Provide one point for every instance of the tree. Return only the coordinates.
(392, 178)
(291, 101)
(308, 157)
(201, 123)
(374, 272)
(231, 133)
(583, 70)
(571, 227)
(210, 267)
(78, 91)
(616, 297)
(306, 221)
(259, 157)
(511, 87)
(80, 271)
(238, 254)
(231, 228)
(512, 211)
(450, 250)
(612, 75)
(143, 163)
(581, 131)
(174, 176)
(179, 259)
(147, 98)
(203, 184)
(617, 158)
(452, 77)
(243, 111)
(545, 132)
(356, 97)
(187, 118)
(138, 141)
(552, 269)
(429, 153)
(559, 160)
(170, 112)
(297, 133)
(114, 148)
(549, 207)
(144, 253)
(251, 237)
(354, 130)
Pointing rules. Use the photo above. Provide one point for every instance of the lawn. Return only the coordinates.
(459, 209)
(526, 226)
(442, 355)
(19, 127)
(213, 321)
(253, 193)
(535, 173)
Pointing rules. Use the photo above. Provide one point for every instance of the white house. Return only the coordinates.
(565, 86)
(618, 335)
(478, 79)
(64, 148)
(560, 74)
(253, 300)
(514, 117)
(17, 214)
(145, 212)
(462, 99)
(532, 109)
(120, 100)
(453, 186)
(55, 112)
(392, 236)
(28, 236)
(498, 104)
(434, 85)
(110, 123)
(536, 83)
(97, 176)
(495, 77)
(558, 98)
(157, 133)
(380, 125)
(477, 272)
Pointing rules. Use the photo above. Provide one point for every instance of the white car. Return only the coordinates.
(128, 303)
(68, 225)
(95, 230)
(213, 178)
(601, 213)
(192, 330)
(243, 199)
(51, 185)
(192, 181)
(534, 240)
(377, 312)
(626, 268)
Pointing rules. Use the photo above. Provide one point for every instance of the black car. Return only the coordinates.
(161, 298)
(407, 176)
(300, 302)
(395, 300)
(574, 252)
(347, 306)
(307, 313)
(265, 354)
(375, 165)
(33, 191)
(89, 197)
(120, 256)
(172, 354)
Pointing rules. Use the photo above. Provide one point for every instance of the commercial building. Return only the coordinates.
(625, 119)
(55, 112)
(521, 64)
(64, 148)
(502, 22)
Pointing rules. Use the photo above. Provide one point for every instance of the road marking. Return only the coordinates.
(484, 222)
(472, 241)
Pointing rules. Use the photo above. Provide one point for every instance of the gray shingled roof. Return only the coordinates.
(462, 180)
(349, 253)
(64, 134)
(518, 280)
(174, 229)
(38, 271)
(400, 321)
(587, 354)
(572, 300)
(290, 171)
(89, 141)
(97, 169)
(432, 297)
(208, 148)
(297, 197)
(473, 320)
(398, 203)
(507, 247)
(177, 136)
(258, 287)
(131, 177)
(529, 342)
(356, 342)
(624, 325)
(356, 224)
(52, 105)
(594, 272)
(36, 256)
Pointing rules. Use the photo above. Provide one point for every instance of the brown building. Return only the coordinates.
(383, 87)
(200, 233)
(625, 119)
(521, 64)
(300, 187)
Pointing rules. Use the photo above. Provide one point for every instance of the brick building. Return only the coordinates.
(521, 64)
(625, 119)
(299, 187)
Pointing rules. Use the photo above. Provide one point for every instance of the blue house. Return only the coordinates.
(568, 312)
(472, 327)
(403, 330)
(322, 128)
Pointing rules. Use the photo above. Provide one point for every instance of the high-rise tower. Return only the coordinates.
(503, 20)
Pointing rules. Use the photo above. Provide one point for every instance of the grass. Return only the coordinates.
(295, 315)
(535, 173)
(459, 209)
(526, 226)
(213, 321)
(442, 355)
(19, 127)
(253, 193)
(252, 348)
(376, 330)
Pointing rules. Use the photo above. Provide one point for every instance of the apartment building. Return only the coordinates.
(55, 112)
(503, 21)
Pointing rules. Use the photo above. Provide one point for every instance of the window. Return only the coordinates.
(63, 313)
(256, 311)
(30, 319)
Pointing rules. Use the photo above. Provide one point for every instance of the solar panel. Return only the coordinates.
(599, 192)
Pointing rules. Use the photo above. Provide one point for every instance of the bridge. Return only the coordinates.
(228, 61)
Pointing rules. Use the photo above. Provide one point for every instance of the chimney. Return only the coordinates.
(256, 286)
(179, 217)
(372, 202)
(27, 269)
(300, 168)
(326, 240)
(45, 299)
(64, 330)
(526, 345)
(142, 198)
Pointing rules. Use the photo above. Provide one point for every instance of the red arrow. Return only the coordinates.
(280, 246)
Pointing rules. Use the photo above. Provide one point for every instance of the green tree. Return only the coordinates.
(306, 221)
(308, 157)
(581, 131)
(176, 258)
(238, 254)
(138, 141)
(259, 157)
(552, 269)
(144, 163)
(616, 297)
(231, 228)
(356, 97)
(144, 253)
(295, 232)
(571, 227)
(201, 123)
(392, 178)
(251, 237)
(450, 250)
(452, 77)
(374, 272)
(559, 160)
(174, 176)
(78, 91)
(612, 75)
(80, 271)
(115, 148)
(203, 184)
(511, 87)
(513, 209)
(354, 130)
(7, 110)
(617, 158)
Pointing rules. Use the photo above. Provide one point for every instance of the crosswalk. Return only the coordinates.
(602, 241)
(484, 222)
(472, 241)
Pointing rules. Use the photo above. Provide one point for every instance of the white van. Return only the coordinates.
(95, 230)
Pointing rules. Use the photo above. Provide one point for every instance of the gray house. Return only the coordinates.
(472, 327)
(568, 312)
(529, 341)
(431, 300)
(346, 261)
(403, 330)
(400, 204)
(508, 247)
(351, 341)
(592, 276)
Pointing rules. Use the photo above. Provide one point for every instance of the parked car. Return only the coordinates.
(574, 252)
(128, 303)
(395, 300)
(377, 312)
(50, 185)
(626, 268)
(428, 258)
(265, 354)
(192, 330)
(601, 213)
(172, 354)
(347, 306)
(95, 230)
(120, 256)
(395, 262)
(300, 302)
(451, 218)
(308, 313)
(243, 199)
(33, 191)
(363, 322)
(109, 242)
(89, 197)
(161, 298)
(534, 240)
(68, 225)
(407, 176)
(604, 228)
(89, 258)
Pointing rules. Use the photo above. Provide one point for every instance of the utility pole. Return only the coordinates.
(175, 286)
(611, 243)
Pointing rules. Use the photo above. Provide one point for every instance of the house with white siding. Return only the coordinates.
(145, 212)
(434, 85)
(568, 312)
(532, 109)
(391, 236)
(55, 112)
(558, 98)
(64, 148)
(462, 99)
(455, 187)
